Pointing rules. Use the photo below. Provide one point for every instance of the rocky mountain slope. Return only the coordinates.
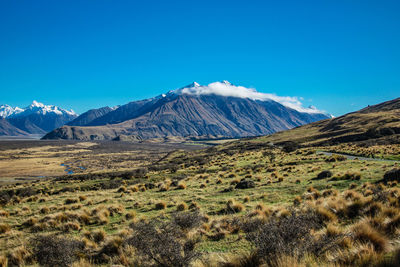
(219, 109)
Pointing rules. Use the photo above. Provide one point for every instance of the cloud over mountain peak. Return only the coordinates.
(225, 88)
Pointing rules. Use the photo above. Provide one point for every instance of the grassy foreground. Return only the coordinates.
(239, 204)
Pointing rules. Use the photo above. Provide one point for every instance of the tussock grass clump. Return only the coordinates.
(363, 232)
(69, 201)
(130, 215)
(74, 226)
(182, 206)
(44, 210)
(4, 228)
(3, 261)
(4, 213)
(234, 207)
(19, 256)
(194, 206)
(161, 205)
(181, 185)
(325, 214)
(30, 222)
(122, 189)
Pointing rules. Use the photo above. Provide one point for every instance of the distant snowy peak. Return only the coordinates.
(6, 111)
(43, 109)
(225, 88)
(36, 107)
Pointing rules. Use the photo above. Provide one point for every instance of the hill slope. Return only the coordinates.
(379, 123)
(6, 129)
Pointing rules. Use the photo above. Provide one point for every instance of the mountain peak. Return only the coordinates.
(36, 104)
(7, 110)
(227, 89)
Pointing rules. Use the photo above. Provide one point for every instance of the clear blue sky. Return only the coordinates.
(337, 55)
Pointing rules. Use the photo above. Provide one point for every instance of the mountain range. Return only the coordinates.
(36, 119)
(216, 110)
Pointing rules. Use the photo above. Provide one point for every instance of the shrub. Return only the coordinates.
(162, 244)
(187, 220)
(55, 251)
(289, 235)
(324, 174)
(392, 175)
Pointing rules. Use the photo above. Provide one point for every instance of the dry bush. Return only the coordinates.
(50, 250)
(289, 235)
(4, 228)
(162, 244)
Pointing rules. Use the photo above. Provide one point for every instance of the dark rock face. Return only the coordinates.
(189, 116)
(245, 184)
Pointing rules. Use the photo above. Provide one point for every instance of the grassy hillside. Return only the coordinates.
(193, 208)
(378, 124)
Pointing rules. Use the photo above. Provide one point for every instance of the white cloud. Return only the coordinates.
(227, 89)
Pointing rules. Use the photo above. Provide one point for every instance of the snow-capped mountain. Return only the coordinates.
(6, 111)
(37, 118)
(218, 109)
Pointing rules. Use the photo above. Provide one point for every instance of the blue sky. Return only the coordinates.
(338, 55)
